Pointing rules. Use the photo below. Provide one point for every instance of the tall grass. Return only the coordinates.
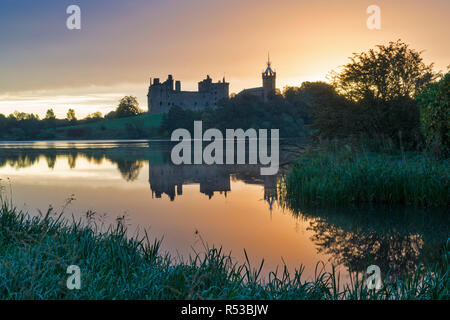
(344, 176)
(35, 252)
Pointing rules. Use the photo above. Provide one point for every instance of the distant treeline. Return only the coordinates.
(29, 126)
(23, 126)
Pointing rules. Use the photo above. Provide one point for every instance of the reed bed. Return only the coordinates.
(348, 177)
(36, 250)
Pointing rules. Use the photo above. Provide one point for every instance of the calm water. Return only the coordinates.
(229, 206)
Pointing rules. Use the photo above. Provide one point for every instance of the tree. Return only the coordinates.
(128, 107)
(94, 116)
(376, 96)
(111, 115)
(179, 118)
(386, 73)
(20, 116)
(71, 115)
(50, 115)
(434, 105)
(309, 97)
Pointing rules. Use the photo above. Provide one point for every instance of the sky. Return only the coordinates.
(122, 44)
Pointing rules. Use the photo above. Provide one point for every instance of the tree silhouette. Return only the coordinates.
(50, 115)
(128, 107)
(386, 73)
(71, 115)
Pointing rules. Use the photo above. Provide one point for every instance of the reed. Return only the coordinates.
(345, 176)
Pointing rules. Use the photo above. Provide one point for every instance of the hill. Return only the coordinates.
(137, 127)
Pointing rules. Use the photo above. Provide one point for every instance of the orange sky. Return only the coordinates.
(122, 45)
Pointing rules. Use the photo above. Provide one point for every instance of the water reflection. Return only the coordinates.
(129, 169)
(395, 239)
(169, 179)
(164, 177)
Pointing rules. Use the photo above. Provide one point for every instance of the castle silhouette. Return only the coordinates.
(164, 95)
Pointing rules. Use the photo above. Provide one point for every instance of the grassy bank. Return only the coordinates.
(344, 177)
(138, 127)
(35, 252)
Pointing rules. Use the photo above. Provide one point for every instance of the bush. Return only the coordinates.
(434, 104)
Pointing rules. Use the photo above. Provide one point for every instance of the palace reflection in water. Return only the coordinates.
(169, 179)
(164, 177)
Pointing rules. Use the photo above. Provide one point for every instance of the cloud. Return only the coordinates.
(84, 100)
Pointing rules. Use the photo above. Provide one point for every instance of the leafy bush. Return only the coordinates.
(434, 104)
(128, 107)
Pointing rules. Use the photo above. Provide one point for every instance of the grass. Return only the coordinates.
(35, 252)
(349, 177)
(141, 126)
(149, 121)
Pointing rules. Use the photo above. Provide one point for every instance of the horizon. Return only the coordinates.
(44, 65)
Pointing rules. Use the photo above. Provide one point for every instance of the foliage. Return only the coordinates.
(386, 73)
(375, 97)
(50, 115)
(179, 118)
(308, 97)
(71, 115)
(288, 112)
(95, 116)
(434, 104)
(396, 120)
(111, 115)
(128, 107)
(22, 126)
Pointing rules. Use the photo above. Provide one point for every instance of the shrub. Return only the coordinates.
(434, 104)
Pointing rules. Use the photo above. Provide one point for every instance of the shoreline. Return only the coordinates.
(35, 253)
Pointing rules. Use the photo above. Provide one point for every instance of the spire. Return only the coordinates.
(269, 71)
